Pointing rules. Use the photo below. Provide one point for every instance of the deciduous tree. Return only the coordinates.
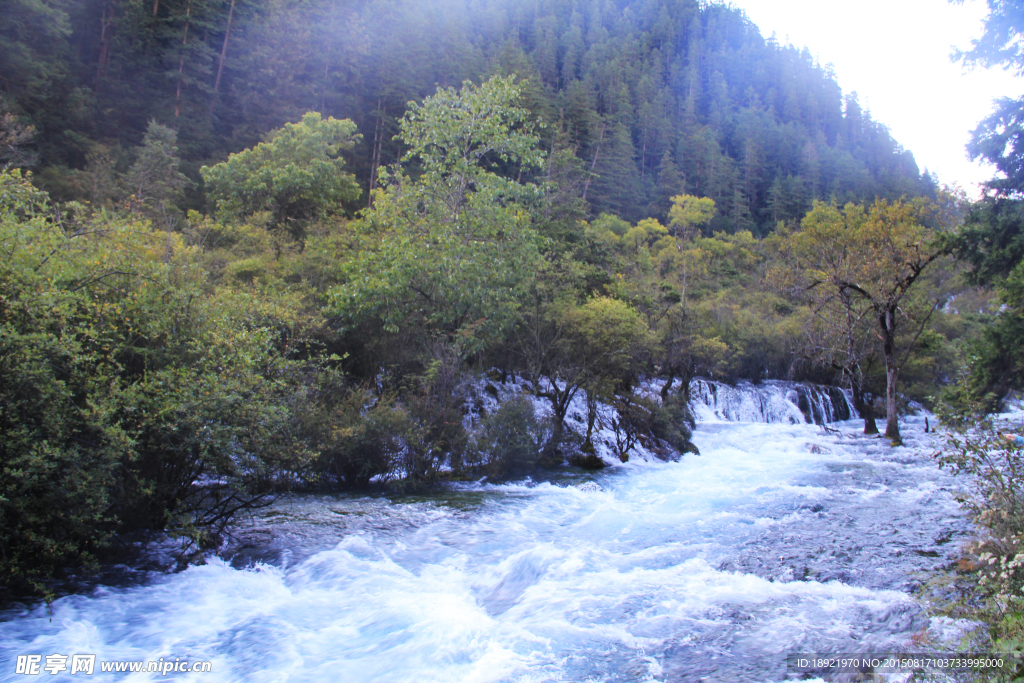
(450, 251)
(866, 262)
(297, 174)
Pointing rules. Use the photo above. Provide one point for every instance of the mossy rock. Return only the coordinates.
(587, 458)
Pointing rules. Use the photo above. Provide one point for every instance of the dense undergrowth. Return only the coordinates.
(985, 587)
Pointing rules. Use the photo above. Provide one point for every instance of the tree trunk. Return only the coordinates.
(560, 401)
(378, 142)
(588, 443)
(892, 425)
(551, 456)
(181, 62)
(668, 385)
(866, 410)
(223, 56)
(593, 164)
(684, 385)
(106, 29)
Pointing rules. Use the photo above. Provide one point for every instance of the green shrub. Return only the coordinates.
(58, 454)
(132, 397)
(436, 402)
(644, 421)
(987, 584)
(404, 438)
(672, 422)
(359, 437)
(511, 439)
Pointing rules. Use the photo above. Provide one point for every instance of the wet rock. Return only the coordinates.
(588, 461)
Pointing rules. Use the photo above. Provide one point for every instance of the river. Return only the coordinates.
(778, 538)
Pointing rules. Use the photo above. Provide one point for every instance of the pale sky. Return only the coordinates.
(895, 55)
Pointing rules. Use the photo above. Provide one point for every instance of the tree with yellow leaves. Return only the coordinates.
(690, 213)
(865, 263)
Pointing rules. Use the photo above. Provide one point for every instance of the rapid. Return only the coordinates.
(781, 537)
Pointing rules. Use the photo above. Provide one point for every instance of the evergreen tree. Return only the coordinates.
(669, 184)
(154, 182)
(629, 81)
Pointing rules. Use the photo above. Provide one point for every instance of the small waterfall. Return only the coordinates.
(772, 401)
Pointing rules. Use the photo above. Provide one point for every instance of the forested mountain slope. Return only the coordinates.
(654, 97)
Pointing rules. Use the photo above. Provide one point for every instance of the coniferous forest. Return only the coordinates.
(253, 246)
(654, 98)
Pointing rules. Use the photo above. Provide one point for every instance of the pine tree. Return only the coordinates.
(154, 182)
(617, 187)
(670, 183)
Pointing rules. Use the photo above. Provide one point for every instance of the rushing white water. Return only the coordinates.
(772, 401)
(779, 538)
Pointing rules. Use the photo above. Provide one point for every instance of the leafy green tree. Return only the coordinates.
(98, 182)
(58, 448)
(684, 351)
(564, 207)
(450, 251)
(669, 183)
(564, 347)
(991, 244)
(604, 343)
(38, 70)
(616, 187)
(839, 336)
(297, 174)
(991, 241)
(998, 140)
(535, 339)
